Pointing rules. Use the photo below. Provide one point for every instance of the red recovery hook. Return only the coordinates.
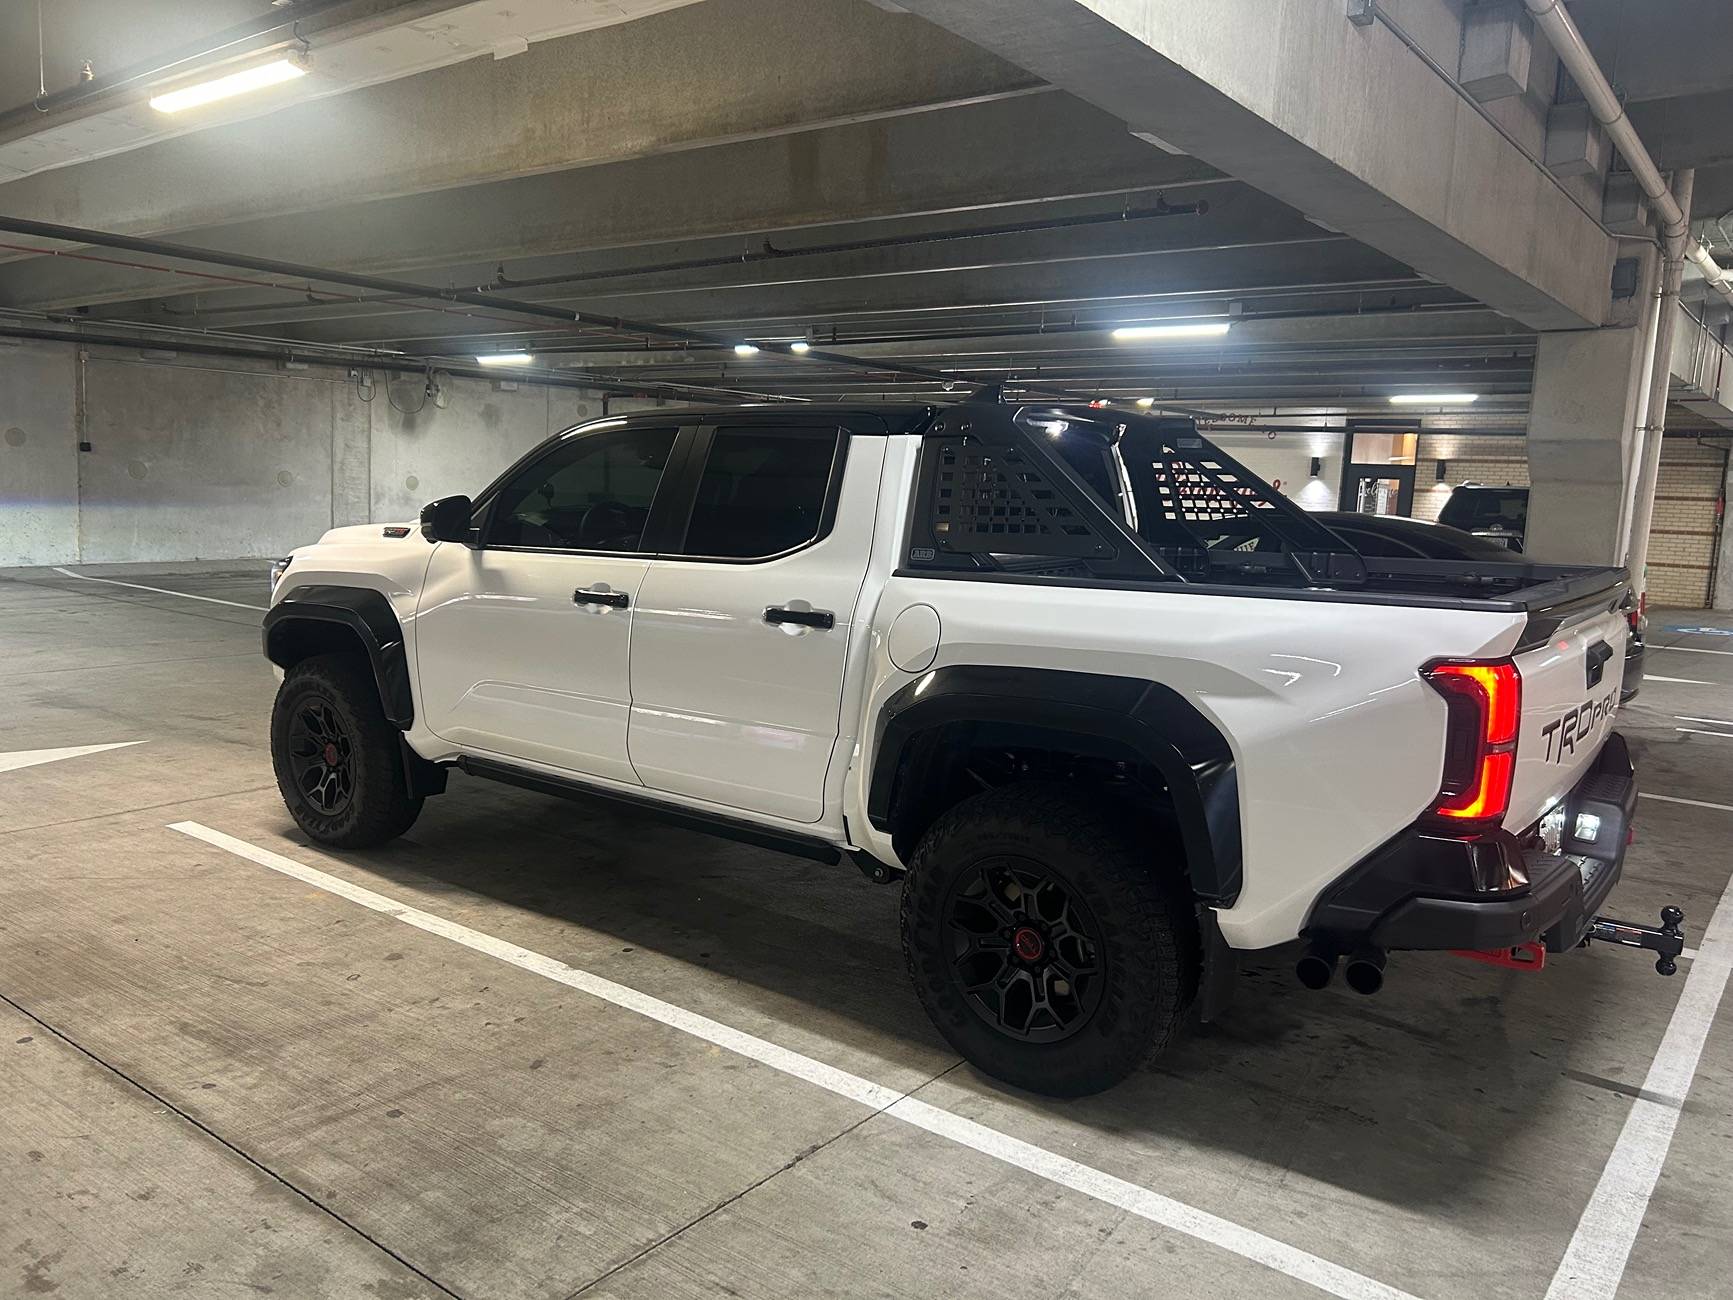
(1525, 956)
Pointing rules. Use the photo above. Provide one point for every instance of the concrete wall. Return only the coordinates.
(194, 458)
(1288, 457)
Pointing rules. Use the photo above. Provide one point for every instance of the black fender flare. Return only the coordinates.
(365, 612)
(1151, 721)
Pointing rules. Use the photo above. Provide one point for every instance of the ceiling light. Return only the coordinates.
(505, 359)
(801, 346)
(1188, 330)
(1146, 402)
(1433, 399)
(234, 83)
(745, 350)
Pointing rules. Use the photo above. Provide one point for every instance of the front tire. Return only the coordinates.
(1050, 936)
(339, 763)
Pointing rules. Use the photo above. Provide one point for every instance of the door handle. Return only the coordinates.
(776, 614)
(616, 599)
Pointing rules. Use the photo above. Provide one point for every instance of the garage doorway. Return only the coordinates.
(1378, 470)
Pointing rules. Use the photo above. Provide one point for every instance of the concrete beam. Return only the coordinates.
(1340, 121)
(673, 81)
(1238, 218)
(965, 159)
(1137, 280)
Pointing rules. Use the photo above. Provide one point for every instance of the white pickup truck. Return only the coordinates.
(1110, 708)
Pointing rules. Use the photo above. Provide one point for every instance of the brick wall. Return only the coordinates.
(1682, 538)
(1468, 459)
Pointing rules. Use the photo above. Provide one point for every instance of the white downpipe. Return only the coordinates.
(1573, 51)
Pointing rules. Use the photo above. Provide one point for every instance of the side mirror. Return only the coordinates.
(448, 520)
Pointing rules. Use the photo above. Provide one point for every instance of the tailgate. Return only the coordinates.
(1570, 693)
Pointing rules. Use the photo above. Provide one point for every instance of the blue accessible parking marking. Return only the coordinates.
(1705, 631)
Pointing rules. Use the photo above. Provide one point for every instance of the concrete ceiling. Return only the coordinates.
(893, 190)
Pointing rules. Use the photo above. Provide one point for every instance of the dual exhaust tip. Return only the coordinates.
(1363, 970)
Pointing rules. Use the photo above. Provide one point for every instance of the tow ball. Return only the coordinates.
(1668, 940)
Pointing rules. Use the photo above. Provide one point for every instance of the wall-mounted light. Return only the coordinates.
(1317, 466)
(1146, 402)
(1441, 466)
(745, 350)
(274, 73)
(800, 345)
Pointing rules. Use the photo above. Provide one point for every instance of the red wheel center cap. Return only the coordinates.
(331, 756)
(1027, 944)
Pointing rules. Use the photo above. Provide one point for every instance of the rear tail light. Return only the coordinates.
(1485, 711)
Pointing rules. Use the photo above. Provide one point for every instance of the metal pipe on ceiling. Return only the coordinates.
(1573, 51)
(492, 302)
(607, 385)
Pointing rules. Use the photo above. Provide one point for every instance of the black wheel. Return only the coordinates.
(339, 763)
(1050, 937)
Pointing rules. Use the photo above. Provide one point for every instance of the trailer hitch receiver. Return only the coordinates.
(1668, 940)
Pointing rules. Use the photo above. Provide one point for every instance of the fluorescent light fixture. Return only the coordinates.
(745, 350)
(504, 359)
(801, 346)
(1188, 330)
(1146, 402)
(1433, 399)
(234, 83)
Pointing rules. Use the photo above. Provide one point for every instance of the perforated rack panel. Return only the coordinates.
(992, 499)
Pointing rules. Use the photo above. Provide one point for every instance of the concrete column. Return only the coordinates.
(1581, 428)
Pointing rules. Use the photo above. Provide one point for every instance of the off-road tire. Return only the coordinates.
(378, 806)
(1127, 875)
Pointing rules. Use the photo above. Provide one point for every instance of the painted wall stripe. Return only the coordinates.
(1330, 1278)
(161, 591)
(1595, 1260)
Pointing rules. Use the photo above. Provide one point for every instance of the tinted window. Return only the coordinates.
(591, 494)
(1471, 508)
(762, 492)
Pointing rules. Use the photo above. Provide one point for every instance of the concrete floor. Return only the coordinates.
(215, 1078)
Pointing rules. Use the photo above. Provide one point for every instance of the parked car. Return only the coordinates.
(1499, 514)
(994, 652)
(1394, 535)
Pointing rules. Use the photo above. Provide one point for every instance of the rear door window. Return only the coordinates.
(763, 491)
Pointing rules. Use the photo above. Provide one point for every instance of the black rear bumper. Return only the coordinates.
(1423, 890)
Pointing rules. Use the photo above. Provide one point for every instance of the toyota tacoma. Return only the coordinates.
(1111, 710)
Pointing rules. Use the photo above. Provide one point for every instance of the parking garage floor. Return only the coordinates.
(548, 1049)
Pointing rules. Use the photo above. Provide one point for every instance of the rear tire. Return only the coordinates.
(1050, 936)
(339, 763)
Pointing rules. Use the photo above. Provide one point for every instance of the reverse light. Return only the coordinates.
(274, 73)
(1485, 712)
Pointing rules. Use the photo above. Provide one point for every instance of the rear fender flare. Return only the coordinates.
(1144, 719)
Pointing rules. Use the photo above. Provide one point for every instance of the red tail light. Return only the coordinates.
(1485, 712)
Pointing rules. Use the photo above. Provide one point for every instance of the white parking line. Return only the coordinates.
(1146, 1204)
(1694, 803)
(1676, 681)
(1692, 649)
(1699, 731)
(1595, 1261)
(161, 591)
(1719, 722)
